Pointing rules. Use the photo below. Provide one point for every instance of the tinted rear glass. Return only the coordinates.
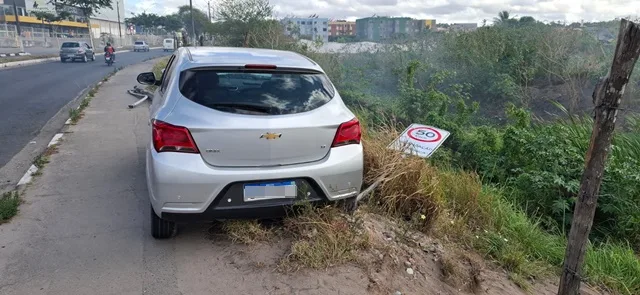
(70, 44)
(259, 93)
(138, 43)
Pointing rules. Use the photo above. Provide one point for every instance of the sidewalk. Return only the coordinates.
(84, 225)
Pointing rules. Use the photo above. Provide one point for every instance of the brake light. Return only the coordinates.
(170, 138)
(348, 133)
(260, 67)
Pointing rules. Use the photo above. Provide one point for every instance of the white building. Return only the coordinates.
(313, 28)
(108, 20)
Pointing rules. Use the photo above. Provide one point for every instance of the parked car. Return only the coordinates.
(76, 50)
(140, 46)
(168, 44)
(245, 133)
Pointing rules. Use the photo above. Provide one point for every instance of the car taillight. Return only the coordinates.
(170, 138)
(348, 133)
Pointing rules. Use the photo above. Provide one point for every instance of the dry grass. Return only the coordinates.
(323, 237)
(246, 231)
(410, 188)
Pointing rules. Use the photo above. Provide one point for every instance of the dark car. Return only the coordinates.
(76, 50)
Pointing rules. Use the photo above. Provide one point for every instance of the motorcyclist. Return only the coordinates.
(110, 50)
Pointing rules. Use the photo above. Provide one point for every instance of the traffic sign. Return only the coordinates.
(420, 140)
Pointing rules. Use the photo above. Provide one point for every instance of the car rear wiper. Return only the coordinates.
(243, 106)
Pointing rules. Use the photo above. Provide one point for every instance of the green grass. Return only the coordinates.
(9, 203)
(24, 57)
(75, 115)
(157, 70)
(521, 246)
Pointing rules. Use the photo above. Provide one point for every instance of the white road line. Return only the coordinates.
(68, 122)
(28, 175)
(56, 138)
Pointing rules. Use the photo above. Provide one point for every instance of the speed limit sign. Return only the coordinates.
(420, 140)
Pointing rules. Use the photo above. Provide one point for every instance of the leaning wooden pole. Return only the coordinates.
(606, 97)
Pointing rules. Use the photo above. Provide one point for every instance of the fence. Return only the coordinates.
(39, 41)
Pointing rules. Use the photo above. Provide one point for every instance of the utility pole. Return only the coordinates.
(18, 30)
(119, 25)
(607, 97)
(193, 25)
(209, 9)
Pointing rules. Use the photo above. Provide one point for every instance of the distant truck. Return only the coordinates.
(168, 44)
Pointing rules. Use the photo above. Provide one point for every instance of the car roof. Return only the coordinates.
(240, 56)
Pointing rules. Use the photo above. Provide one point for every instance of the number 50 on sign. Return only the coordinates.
(420, 140)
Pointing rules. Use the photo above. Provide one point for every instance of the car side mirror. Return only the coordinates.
(148, 78)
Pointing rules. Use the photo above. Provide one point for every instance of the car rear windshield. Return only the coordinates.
(138, 43)
(259, 93)
(70, 44)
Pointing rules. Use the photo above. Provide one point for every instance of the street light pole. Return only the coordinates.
(193, 25)
(119, 25)
(209, 9)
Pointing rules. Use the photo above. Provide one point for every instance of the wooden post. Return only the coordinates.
(607, 97)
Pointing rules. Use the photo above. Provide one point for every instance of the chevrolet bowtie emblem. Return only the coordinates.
(270, 136)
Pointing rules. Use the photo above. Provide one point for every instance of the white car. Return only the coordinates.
(140, 46)
(246, 133)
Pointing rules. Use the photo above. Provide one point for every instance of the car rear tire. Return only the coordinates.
(84, 58)
(160, 228)
(350, 205)
(62, 60)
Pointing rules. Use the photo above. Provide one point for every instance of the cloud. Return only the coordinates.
(444, 11)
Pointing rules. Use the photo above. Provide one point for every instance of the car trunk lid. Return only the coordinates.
(233, 129)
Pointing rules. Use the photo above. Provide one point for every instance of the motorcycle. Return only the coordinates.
(108, 59)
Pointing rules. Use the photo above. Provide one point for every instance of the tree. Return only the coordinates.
(88, 8)
(503, 16)
(145, 20)
(200, 19)
(527, 20)
(49, 18)
(242, 18)
(171, 23)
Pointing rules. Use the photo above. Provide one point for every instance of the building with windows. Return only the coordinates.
(311, 28)
(342, 28)
(378, 28)
(105, 20)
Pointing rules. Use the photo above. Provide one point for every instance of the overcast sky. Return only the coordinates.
(443, 11)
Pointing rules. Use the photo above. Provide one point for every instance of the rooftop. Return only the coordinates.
(242, 56)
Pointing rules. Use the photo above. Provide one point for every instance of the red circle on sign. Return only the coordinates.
(437, 137)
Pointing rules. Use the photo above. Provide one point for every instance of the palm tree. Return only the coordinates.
(503, 16)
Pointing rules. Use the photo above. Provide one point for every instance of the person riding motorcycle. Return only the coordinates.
(110, 50)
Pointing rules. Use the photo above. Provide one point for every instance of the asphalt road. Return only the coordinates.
(31, 95)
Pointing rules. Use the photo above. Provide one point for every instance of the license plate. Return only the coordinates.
(71, 55)
(108, 58)
(270, 190)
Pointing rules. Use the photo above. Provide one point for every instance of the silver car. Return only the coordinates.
(140, 46)
(245, 133)
(76, 50)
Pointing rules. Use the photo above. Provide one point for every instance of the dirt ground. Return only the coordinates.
(395, 264)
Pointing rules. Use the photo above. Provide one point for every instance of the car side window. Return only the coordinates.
(167, 73)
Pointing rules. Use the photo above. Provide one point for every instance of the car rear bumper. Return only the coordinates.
(72, 55)
(184, 187)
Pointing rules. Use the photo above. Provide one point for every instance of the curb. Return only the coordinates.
(15, 64)
(28, 176)
(14, 54)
